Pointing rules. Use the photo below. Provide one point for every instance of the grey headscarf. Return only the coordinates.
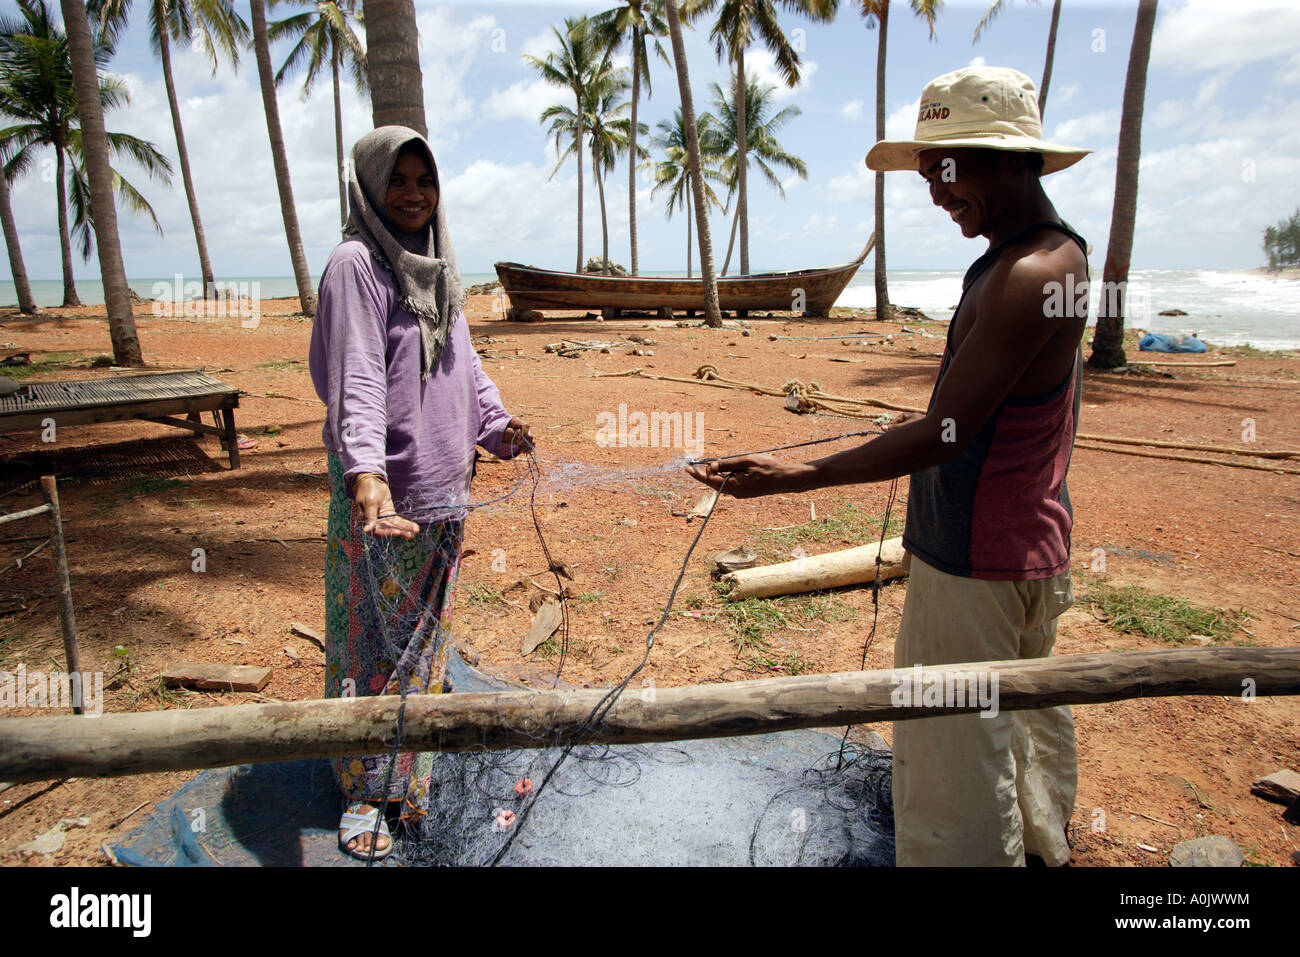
(423, 265)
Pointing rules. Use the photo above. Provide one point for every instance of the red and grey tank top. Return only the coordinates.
(1001, 510)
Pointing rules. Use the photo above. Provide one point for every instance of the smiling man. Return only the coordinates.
(989, 518)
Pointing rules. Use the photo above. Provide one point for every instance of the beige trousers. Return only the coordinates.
(973, 790)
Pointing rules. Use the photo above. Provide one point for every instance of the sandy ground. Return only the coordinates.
(1152, 772)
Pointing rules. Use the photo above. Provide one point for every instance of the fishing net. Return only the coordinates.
(523, 806)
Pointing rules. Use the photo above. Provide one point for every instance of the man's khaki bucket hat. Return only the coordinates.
(981, 107)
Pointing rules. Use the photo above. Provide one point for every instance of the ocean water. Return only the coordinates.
(1224, 307)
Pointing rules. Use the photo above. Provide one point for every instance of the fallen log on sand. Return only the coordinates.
(850, 566)
(36, 749)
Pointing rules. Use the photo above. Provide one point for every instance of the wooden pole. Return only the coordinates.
(848, 566)
(50, 491)
(34, 749)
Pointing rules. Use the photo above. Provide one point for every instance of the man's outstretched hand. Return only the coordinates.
(749, 476)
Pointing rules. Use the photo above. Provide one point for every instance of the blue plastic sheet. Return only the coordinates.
(723, 801)
(1161, 342)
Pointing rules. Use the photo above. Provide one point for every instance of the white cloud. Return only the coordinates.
(1211, 34)
(524, 100)
(1103, 124)
(761, 64)
(1059, 96)
(901, 124)
(1291, 72)
(852, 110)
(1210, 88)
(978, 61)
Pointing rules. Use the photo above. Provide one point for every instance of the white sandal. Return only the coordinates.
(359, 824)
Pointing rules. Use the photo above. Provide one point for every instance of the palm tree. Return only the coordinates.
(578, 64)
(673, 172)
(393, 65)
(262, 50)
(608, 131)
(1108, 342)
(761, 128)
(995, 9)
(734, 30)
(712, 312)
(876, 13)
(37, 90)
(26, 303)
(640, 23)
(215, 28)
(83, 54)
(325, 33)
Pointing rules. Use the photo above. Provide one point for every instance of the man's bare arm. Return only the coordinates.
(1010, 331)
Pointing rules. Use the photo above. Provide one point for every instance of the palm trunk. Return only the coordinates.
(688, 227)
(103, 209)
(306, 295)
(883, 308)
(1051, 55)
(735, 221)
(712, 314)
(70, 297)
(205, 264)
(1108, 343)
(578, 268)
(604, 221)
(393, 65)
(26, 303)
(631, 148)
(742, 136)
(338, 135)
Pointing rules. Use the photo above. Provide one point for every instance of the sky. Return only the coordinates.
(1220, 141)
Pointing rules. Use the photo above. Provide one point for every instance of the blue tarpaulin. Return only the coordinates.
(722, 801)
(1161, 342)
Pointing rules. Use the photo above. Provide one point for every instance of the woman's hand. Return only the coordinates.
(371, 494)
(517, 437)
(753, 475)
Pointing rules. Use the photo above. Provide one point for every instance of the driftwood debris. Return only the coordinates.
(36, 749)
(849, 566)
(810, 397)
(302, 631)
(210, 676)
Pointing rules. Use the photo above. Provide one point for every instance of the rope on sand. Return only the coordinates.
(809, 397)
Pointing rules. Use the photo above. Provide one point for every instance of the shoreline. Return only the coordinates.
(244, 314)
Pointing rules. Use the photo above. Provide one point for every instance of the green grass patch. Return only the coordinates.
(1136, 611)
(50, 362)
(750, 623)
(846, 524)
(280, 364)
(482, 595)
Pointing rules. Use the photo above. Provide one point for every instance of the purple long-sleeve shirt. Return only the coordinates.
(365, 363)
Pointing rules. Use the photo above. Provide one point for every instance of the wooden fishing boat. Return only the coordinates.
(812, 292)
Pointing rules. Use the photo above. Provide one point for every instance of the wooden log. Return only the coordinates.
(211, 676)
(850, 566)
(1174, 362)
(35, 749)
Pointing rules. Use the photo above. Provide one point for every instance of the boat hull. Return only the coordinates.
(811, 292)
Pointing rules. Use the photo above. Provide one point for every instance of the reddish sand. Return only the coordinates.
(1152, 772)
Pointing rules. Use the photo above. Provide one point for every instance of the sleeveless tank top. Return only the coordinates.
(1001, 510)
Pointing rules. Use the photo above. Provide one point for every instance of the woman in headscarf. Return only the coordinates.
(407, 401)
